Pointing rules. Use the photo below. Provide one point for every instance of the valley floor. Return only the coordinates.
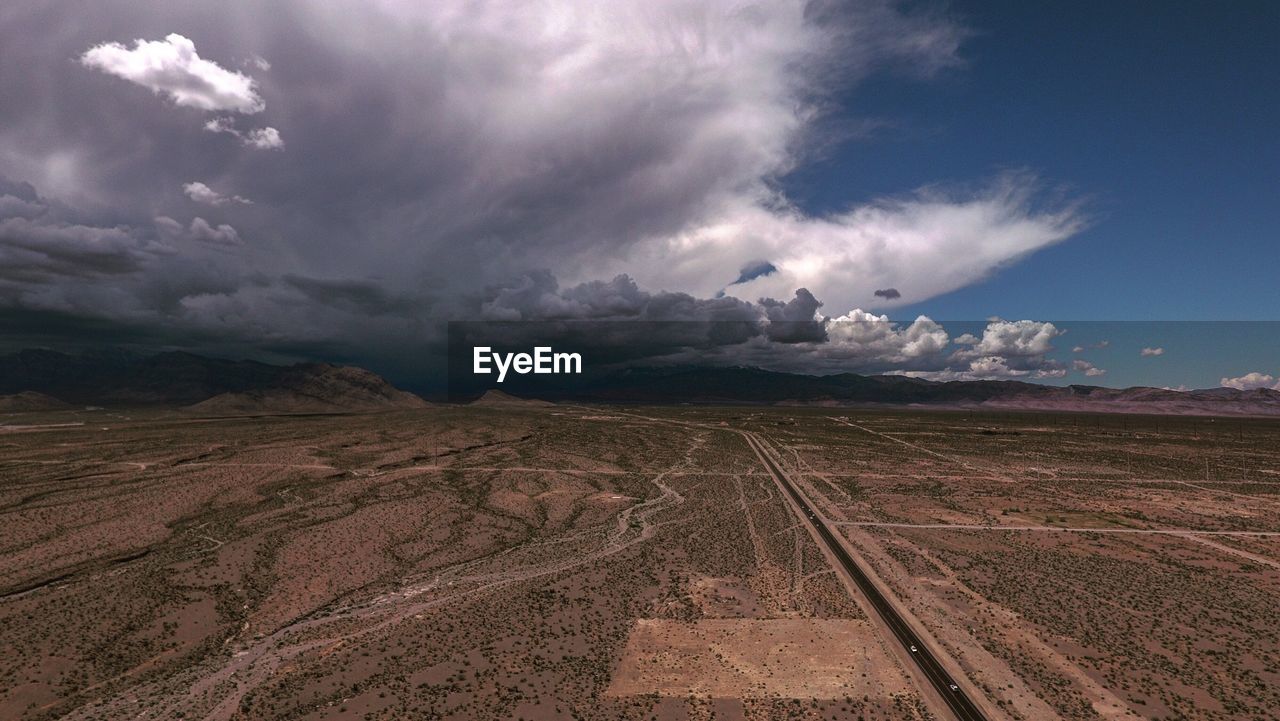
(573, 562)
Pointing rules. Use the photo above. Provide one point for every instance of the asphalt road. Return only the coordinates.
(960, 704)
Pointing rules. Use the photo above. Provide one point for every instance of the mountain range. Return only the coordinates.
(49, 380)
(740, 385)
(199, 383)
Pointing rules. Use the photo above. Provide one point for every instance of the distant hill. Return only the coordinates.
(498, 399)
(44, 380)
(210, 385)
(315, 388)
(29, 401)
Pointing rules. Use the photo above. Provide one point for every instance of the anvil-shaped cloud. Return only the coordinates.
(437, 150)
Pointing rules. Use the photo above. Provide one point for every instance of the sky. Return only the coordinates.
(1161, 116)
(951, 190)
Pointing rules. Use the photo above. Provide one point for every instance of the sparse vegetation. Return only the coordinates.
(473, 563)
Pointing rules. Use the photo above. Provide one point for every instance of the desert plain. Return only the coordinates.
(524, 561)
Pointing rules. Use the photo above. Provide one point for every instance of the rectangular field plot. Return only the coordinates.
(804, 658)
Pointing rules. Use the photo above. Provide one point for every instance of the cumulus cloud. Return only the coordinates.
(199, 230)
(20, 200)
(795, 321)
(791, 336)
(537, 296)
(986, 368)
(1006, 350)
(11, 206)
(222, 124)
(201, 193)
(222, 234)
(612, 319)
(40, 250)
(172, 67)
(267, 138)
(1252, 381)
(878, 337)
(1021, 338)
(1151, 352)
(856, 342)
(40, 246)
(1087, 368)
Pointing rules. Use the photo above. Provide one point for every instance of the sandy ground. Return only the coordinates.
(741, 658)
(556, 563)
(435, 564)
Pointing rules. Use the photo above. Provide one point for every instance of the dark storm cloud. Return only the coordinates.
(754, 269)
(610, 321)
(363, 296)
(20, 200)
(888, 294)
(446, 148)
(45, 250)
(616, 323)
(14, 207)
(537, 296)
(794, 321)
(23, 328)
(21, 191)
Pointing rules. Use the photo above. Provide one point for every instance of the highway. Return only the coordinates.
(960, 704)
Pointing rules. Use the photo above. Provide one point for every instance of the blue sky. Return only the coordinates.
(1163, 116)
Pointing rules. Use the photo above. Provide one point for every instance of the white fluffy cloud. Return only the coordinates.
(172, 67)
(987, 368)
(1151, 352)
(267, 138)
(222, 234)
(1007, 350)
(201, 193)
(1089, 369)
(876, 337)
(667, 124)
(200, 230)
(923, 245)
(1252, 381)
(1019, 338)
